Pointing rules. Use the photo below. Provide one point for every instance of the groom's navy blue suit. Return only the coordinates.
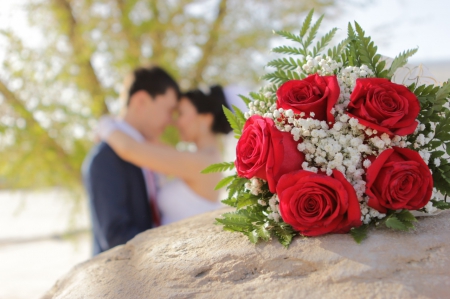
(118, 197)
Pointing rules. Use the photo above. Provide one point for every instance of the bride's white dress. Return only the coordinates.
(177, 201)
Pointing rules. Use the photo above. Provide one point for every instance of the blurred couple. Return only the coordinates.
(122, 173)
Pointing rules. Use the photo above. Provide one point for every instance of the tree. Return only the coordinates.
(51, 96)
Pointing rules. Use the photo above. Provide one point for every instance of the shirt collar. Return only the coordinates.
(130, 130)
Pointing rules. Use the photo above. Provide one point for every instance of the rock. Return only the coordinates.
(196, 259)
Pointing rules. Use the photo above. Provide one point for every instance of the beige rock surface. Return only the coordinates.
(196, 259)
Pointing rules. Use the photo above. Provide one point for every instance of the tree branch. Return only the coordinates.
(88, 78)
(134, 47)
(157, 34)
(37, 129)
(208, 47)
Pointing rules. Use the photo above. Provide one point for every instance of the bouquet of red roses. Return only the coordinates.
(332, 145)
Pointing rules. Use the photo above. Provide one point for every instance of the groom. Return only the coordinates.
(122, 195)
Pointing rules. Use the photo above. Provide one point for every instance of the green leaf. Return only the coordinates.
(236, 186)
(367, 51)
(400, 60)
(235, 219)
(359, 233)
(246, 200)
(288, 50)
(219, 167)
(284, 234)
(441, 205)
(306, 23)
(290, 36)
(230, 202)
(280, 76)
(443, 92)
(253, 236)
(351, 52)
(234, 122)
(393, 222)
(239, 116)
(246, 100)
(336, 52)
(405, 216)
(323, 42)
(312, 34)
(262, 232)
(285, 64)
(224, 182)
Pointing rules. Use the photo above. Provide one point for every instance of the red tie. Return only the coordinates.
(152, 191)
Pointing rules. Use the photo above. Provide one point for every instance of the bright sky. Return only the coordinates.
(395, 25)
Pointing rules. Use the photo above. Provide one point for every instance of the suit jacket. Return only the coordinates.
(118, 198)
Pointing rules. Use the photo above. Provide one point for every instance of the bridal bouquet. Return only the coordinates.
(332, 145)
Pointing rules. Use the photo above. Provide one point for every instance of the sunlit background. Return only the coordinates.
(62, 64)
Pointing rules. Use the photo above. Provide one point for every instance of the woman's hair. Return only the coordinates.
(211, 103)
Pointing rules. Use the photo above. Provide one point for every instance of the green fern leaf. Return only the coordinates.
(239, 116)
(400, 60)
(323, 42)
(366, 49)
(441, 205)
(246, 200)
(224, 182)
(306, 23)
(393, 222)
(336, 52)
(246, 100)
(405, 216)
(288, 50)
(290, 36)
(234, 122)
(285, 64)
(444, 91)
(312, 35)
(219, 167)
(284, 234)
(359, 233)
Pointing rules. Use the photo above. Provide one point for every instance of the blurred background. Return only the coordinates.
(62, 63)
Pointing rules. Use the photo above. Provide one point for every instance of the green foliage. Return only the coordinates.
(323, 42)
(402, 220)
(246, 100)
(290, 68)
(286, 64)
(433, 112)
(337, 51)
(359, 233)
(219, 167)
(367, 53)
(234, 121)
(224, 182)
(287, 50)
(441, 205)
(400, 60)
(284, 233)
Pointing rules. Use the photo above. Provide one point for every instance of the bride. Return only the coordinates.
(200, 120)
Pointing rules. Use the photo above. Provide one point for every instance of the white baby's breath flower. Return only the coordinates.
(367, 163)
(437, 162)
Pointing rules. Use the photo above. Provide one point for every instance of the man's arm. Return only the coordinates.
(109, 192)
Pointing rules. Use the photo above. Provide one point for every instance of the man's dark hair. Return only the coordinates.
(154, 80)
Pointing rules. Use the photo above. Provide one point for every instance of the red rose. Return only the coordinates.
(315, 93)
(265, 152)
(384, 106)
(398, 179)
(317, 204)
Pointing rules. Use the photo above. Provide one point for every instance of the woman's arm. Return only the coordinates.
(159, 158)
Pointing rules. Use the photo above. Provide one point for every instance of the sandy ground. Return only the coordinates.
(42, 236)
